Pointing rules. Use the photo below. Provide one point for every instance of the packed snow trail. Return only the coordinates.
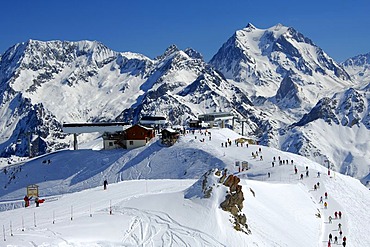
(328, 226)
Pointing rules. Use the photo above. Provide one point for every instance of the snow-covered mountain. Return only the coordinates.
(291, 81)
(93, 83)
(359, 68)
(272, 79)
(259, 60)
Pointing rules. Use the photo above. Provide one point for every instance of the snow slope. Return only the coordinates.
(145, 205)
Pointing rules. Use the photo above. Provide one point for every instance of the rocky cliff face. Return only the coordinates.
(233, 203)
(212, 187)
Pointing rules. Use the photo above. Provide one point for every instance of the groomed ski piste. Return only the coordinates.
(144, 204)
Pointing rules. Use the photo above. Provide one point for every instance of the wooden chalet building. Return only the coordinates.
(136, 136)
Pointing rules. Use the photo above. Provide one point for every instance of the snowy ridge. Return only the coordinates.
(281, 211)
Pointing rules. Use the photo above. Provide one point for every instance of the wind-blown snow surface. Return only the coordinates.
(145, 205)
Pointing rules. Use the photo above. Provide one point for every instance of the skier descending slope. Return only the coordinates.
(328, 210)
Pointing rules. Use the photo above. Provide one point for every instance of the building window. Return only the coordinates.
(131, 143)
(110, 144)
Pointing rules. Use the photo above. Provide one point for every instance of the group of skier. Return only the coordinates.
(28, 199)
(337, 216)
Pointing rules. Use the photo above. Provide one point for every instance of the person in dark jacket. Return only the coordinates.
(37, 202)
(105, 184)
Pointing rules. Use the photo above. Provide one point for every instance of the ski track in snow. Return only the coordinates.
(159, 229)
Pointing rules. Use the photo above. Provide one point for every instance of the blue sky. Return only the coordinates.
(341, 27)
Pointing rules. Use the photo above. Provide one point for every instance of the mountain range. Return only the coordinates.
(286, 90)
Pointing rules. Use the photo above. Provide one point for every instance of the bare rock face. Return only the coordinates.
(234, 203)
(211, 186)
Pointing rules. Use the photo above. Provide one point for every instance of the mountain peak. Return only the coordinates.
(193, 53)
(278, 26)
(170, 50)
(250, 27)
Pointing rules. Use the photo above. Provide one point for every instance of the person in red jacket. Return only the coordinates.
(26, 201)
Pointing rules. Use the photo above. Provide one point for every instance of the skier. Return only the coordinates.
(330, 218)
(339, 227)
(326, 195)
(336, 214)
(318, 185)
(335, 240)
(295, 170)
(301, 176)
(315, 187)
(340, 214)
(105, 184)
(37, 202)
(330, 237)
(307, 173)
(325, 205)
(26, 201)
(318, 174)
(320, 200)
(268, 174)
